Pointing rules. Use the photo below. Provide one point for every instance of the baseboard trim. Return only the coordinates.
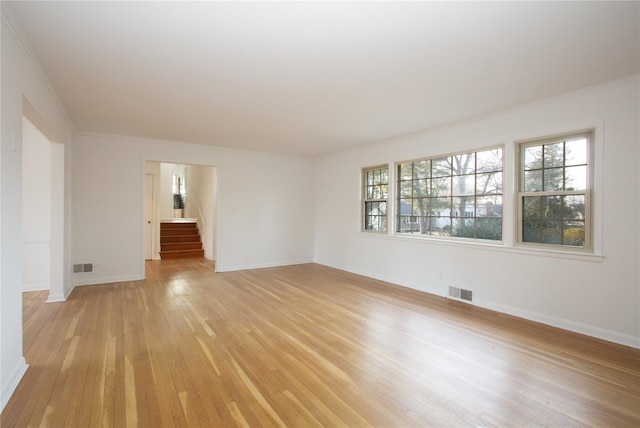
(35, 287)
(106, 280)
(11, 382)
(222, 268)
(575, 327)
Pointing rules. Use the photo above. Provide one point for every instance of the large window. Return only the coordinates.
(554, 192)
(375, 192)
(458, 195)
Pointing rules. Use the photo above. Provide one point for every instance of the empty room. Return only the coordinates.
(359, 213)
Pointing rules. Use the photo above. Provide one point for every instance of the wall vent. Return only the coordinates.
(83, 268)
(460, 293)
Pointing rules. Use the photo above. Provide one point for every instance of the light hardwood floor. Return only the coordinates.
(305, 346)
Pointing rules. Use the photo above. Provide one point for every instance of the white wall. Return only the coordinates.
(200, 187)
(36, 209)
(154, 169)
(24, 92)
(265, 205)
(599, 296)
(166, 190)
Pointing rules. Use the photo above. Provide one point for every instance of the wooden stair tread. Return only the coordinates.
(180, 239)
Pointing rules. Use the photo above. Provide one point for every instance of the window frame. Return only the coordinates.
(587, 193)
(367, 200)
(398, 197)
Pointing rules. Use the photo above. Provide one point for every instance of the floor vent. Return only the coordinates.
(460, 293)
(454, 292)
(83, 268)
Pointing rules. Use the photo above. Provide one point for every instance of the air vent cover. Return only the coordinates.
(83, 268)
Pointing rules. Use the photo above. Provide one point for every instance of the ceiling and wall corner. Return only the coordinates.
(311, 78)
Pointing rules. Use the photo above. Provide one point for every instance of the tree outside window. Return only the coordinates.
(554, 192)
(458, 195)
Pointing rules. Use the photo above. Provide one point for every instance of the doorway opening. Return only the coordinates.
(180, 196)
(42, 212)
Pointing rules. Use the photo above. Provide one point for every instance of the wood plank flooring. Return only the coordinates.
(305, 346)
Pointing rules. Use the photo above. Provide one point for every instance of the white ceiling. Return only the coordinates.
(312, 78)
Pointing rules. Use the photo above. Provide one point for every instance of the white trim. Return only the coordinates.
(106, 280)
(60, 297)
(485, 245)
(552, 321)
(11, 382)
(576, 327)
(35, 287)
(222, 268)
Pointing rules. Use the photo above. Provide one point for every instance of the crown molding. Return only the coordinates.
(10, 22)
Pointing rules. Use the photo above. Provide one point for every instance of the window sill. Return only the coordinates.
(498, 246)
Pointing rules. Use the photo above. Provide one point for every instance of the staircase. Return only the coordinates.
(180, 239)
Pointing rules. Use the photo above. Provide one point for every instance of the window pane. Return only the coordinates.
(533, 181)
(489, 228)
(441, 186)
(489, 206)
(405, 207)
(489, 160)
(441, 206)
(463, 227)
(552, 232)
(490, 183)
(368, 208)
(533, 157)
(574, 207)
(553, 155)
(464, 164)
(557, 218)
(370, 192)
(553, 179)
(383, 176)
(444, 202)
(532, 207)
(441, 167)
(576, 152)
(373, 192)
(531, 231)
(463, 185)
(463, 207)
(421, 206)
(369, 178)
(405, 171)
(421, 169)
(573, 234)
(383, 191)
(374, 202)
(552, 207)
(405, 189)
(443, 226)
(575, 178)
(421, 188)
